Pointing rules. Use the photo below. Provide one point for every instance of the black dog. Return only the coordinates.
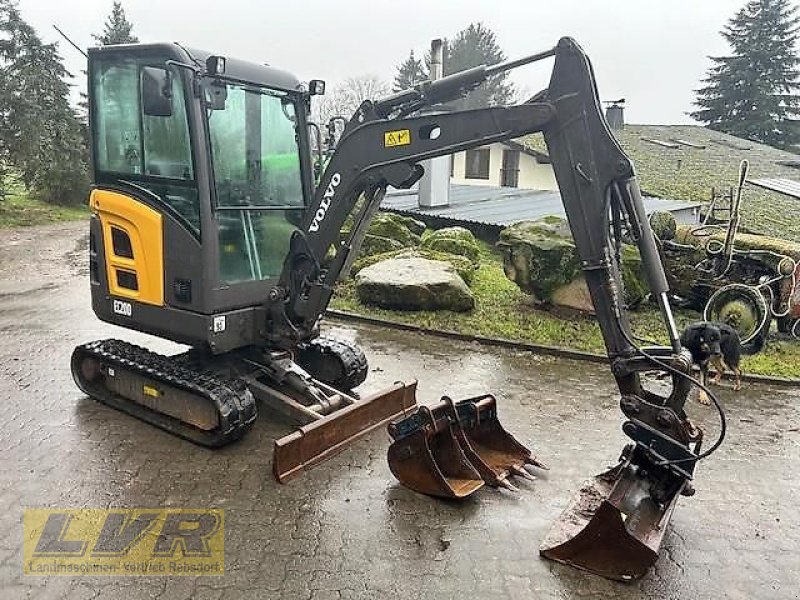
(714, 344)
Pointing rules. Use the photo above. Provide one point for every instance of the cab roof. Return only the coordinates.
(234, 68)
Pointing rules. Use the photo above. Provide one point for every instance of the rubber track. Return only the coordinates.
(235, 404)
(350, 356)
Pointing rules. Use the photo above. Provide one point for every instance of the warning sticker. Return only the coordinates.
(400, 137)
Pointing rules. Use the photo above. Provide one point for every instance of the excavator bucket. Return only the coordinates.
(613, 528)
(328, 435)
(492, 450)
(427, 457)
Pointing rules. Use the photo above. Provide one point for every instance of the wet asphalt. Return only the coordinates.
(347, 529)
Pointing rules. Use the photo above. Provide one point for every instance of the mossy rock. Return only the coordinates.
(663, 224)
(414, 226)
(541, 258)
(550, 225)
(454, 240)
(391, 226)
(454, 246)
(463, 266)
(457, 233)
(376, 244)
(633, 276)
(538, 257)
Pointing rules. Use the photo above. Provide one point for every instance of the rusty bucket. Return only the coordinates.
(426, 457)
(613, 528)
(492, 450)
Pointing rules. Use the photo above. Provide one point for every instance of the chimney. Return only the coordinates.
(434, 187)
(615, 113)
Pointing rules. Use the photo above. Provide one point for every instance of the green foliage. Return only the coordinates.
(471, 47)
(19, 209)
(117, 30)
(409, 72)
(41, 137)
(750, 93)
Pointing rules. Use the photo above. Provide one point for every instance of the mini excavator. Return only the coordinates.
(207, 230)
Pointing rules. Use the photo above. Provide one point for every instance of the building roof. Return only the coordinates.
(684, 162)
(501, 206)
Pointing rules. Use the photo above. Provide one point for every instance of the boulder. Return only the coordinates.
(414, 226)
(375, 244)
(463, 266)
(388, 225)
(453, 240)
(574, 295)
(538, 256)
(663, 224)
(541, 258)
(413, 284)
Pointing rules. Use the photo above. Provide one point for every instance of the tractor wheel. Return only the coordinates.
(786, 324)
(742, 307)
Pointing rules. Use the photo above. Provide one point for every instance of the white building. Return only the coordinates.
(503, 164)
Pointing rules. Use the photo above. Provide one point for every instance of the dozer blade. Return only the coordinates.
(328, 435)
(427, 457)
(613, 528)
(492, 450)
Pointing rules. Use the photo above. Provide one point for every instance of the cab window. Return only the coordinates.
(153, 152)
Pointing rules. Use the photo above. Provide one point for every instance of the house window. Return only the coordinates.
(477, 164)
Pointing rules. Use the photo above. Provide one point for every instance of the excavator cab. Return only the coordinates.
(208, 172)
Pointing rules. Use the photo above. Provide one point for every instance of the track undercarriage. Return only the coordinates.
(211, 400)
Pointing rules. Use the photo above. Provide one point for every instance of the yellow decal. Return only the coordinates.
(400, 137)
(144, 229)
(150, 391)
(123, 541)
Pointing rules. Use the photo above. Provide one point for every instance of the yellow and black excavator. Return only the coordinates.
(207, 230)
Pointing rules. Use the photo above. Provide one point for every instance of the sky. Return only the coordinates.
(654, 53)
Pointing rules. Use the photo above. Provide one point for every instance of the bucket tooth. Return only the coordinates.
(492, 450)
(519, 471)
(534, 462)
(426, 456)
(613, 528)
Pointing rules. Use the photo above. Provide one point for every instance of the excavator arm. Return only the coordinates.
(616, 525)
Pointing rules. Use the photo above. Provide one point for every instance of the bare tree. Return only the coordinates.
(346, 97)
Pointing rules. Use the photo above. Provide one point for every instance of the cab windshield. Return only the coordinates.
(257, 178)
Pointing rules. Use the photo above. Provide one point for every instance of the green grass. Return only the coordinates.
(503, 311)
(19, 209)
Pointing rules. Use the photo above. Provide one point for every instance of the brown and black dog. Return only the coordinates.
(714, 344)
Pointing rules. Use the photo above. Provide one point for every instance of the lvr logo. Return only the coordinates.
(120, 532)
(94, 541)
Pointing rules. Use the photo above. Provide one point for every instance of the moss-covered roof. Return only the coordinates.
(681, 171)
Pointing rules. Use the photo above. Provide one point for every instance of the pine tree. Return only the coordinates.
(118, 30)
(41, 139)
(409, 72)
(477, 45)
(750, 94)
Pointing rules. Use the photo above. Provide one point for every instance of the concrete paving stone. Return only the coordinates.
(347, 529)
